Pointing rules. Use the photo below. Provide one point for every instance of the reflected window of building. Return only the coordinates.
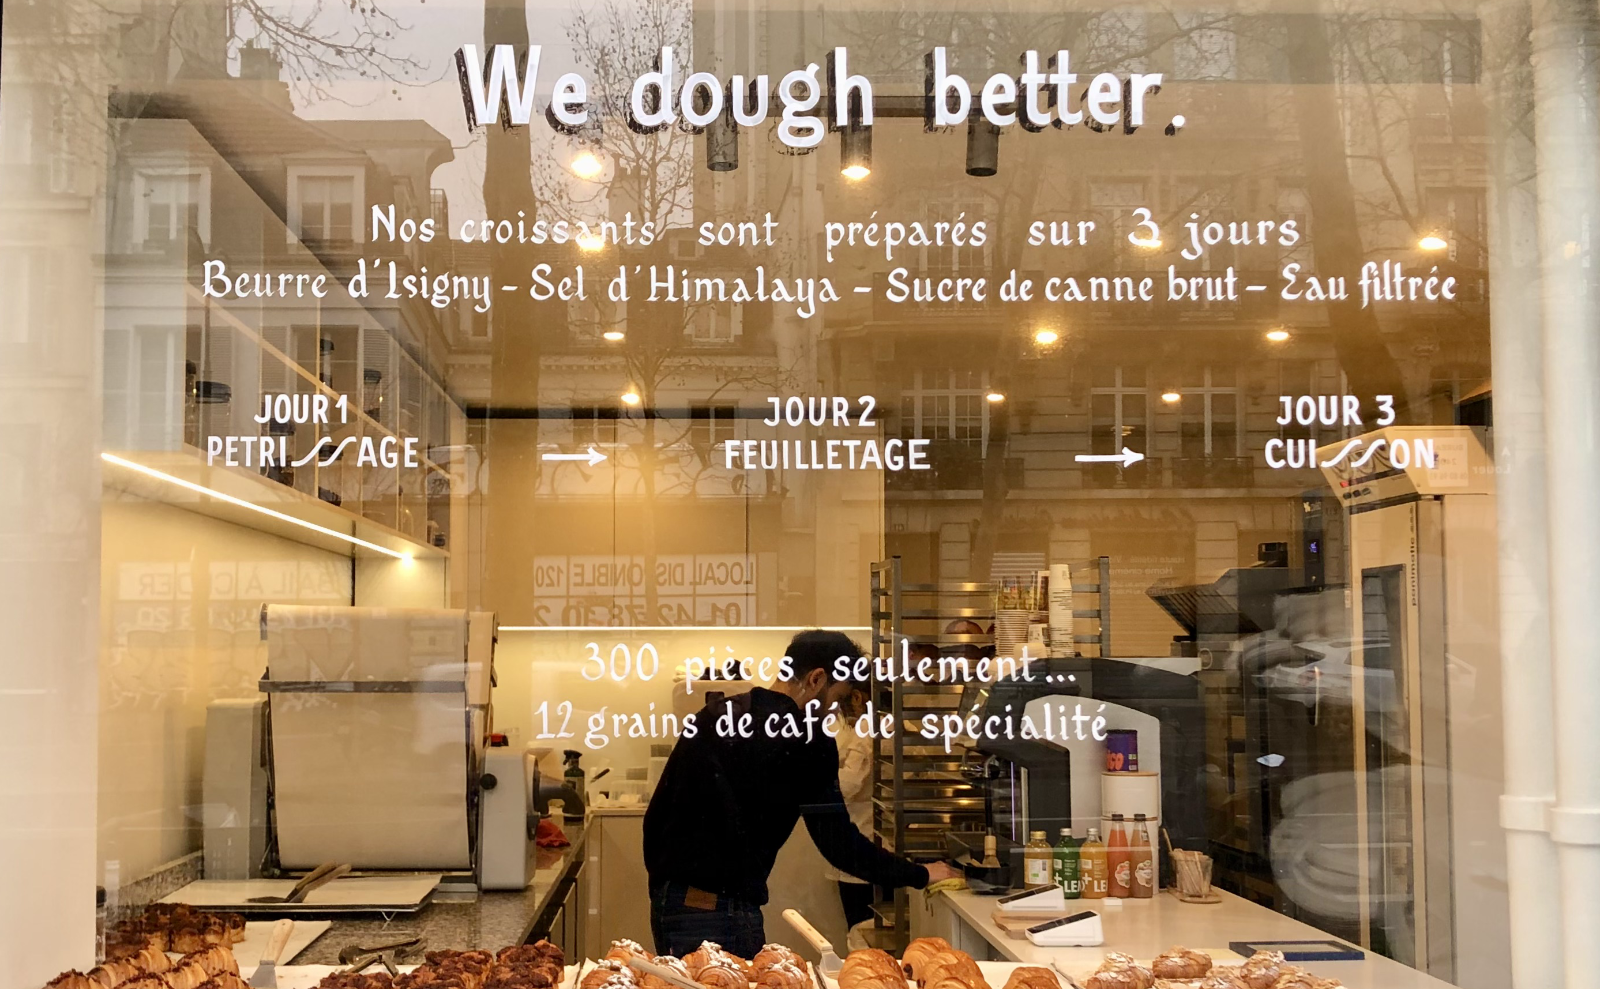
(172, 205)
(710, 425)
(715, 323)
(1119, 409)
(1209, 414)
(594, 424)
(946, 404)
(323, 206)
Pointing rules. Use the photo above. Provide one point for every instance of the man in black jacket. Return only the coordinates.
(725, 805)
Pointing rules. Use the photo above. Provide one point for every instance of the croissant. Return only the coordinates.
(724, 973)
(771, 954)
(72, 980)
(1181, 963)
(228, 980)
(114, 973)
(623, 949)
(146, 981)
(781, 975)
(665, 961)
(604, 970)
(919, 952)
(871, 968)
(953, 964)
(1033, 977)
(187, 976)
(1223, 978)
(215, 960)
(1304, 980)
(1264, 968)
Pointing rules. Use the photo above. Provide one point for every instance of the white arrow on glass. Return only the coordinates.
(593, 456)
(1127, 458)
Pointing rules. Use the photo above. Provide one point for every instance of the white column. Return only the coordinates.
(1519, 456)
(1566, 63)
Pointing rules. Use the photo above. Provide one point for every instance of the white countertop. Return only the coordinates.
(1146, 928)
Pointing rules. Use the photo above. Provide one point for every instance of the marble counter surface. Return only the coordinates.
(487, 920)
(1145, 928)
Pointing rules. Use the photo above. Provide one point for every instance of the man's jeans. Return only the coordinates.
(681, 917)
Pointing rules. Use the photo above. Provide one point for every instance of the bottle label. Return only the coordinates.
(1143, 876)
(1124, 872)
(1038, 872)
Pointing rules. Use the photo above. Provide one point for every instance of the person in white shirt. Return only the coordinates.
(855, 782)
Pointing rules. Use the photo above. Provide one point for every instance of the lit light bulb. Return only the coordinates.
(590, 242)
(586, 165)
(995, 397)
(855, 173)
(614, 336)
(1170, 397)
(1433, 242)
(1277, 336)
(1045, 338)
(630, 397)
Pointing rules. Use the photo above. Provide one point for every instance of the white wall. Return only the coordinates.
(181, 595)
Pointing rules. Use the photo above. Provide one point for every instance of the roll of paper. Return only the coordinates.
(1129, 794)
(1061, 606)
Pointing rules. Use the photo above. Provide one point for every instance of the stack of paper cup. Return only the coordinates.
(1061, 609)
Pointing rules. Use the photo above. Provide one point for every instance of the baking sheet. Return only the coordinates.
(396, 894)
(248, 952)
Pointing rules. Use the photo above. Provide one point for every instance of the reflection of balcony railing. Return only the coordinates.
(1212, 472)
(955, 465)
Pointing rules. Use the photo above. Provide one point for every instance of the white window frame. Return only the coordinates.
(1120, 415)
(916, 405)
(1206, 391)
(358, 199)
(142, 191)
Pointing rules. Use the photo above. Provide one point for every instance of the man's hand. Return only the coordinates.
(938, 871)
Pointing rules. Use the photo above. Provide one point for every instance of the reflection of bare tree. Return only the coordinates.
(324, 43)
(653, 180)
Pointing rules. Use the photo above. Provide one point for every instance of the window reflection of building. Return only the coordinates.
(946, 404)
(596, 424)
(323, 207)
(1119, 409)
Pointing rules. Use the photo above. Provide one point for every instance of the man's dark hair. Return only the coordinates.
(817, 648)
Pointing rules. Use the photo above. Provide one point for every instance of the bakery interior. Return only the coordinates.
(424, 704)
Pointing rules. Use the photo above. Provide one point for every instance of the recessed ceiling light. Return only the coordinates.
(630, 397)
(995, 397)
(1170, 396)
(614, 335)
(586, 165)
(590, 242)
(1433, 242)
(1045, 338)
(855, 173)
(1277, 336)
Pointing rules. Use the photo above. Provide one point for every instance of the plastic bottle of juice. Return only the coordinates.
(1117, 862)
(1142, 857)
(1067, 872)
(1092, 866)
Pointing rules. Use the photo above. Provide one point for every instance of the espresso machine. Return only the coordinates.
(1049, 784)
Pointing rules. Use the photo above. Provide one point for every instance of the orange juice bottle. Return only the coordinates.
(1092, 866)
(1118, 861)
(1143, 858)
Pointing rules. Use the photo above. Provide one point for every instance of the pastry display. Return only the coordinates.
(871, 968)
(1181, 963)
(953, 969)
(1301, 979)
(72, 980)
(918, 953)
(354, 980)
(1222, 978)
(1032, 977)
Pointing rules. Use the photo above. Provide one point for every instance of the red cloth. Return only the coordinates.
(550, 835)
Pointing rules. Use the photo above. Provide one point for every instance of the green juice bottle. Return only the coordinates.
(1067, 872)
